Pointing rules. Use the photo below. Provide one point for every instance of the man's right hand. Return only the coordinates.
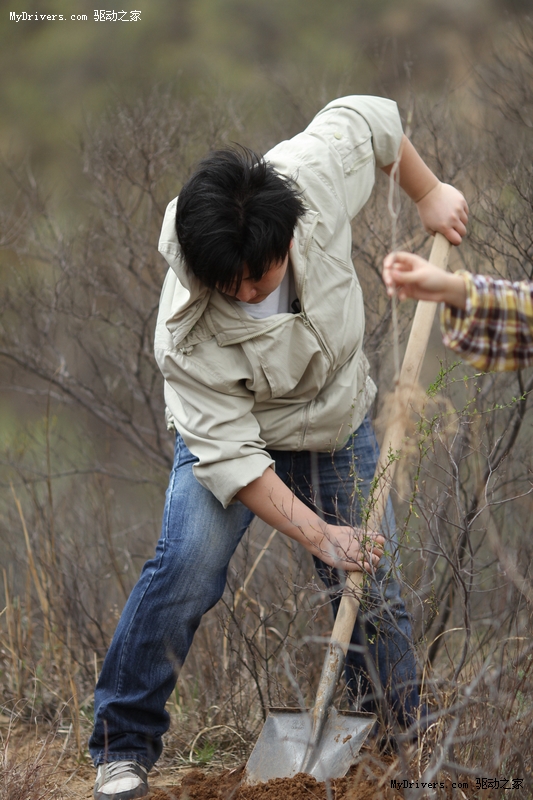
(337, 545)
(350, 549)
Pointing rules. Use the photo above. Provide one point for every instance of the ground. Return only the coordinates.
(369, 779)
(196, 784)
(35, 765)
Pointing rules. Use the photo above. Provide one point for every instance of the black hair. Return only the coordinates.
(235, 211)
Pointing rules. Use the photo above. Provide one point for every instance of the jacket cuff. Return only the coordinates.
(383, 119)
(225, 478)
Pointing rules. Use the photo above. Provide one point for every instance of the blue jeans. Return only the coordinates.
(187, 576)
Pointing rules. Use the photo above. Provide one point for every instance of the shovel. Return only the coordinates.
(324, 742)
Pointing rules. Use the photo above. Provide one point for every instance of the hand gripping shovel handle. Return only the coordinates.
(392, 441)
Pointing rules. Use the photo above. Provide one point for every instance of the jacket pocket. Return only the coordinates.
(290, 360)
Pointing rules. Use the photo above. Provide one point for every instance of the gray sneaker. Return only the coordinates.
(121, 780)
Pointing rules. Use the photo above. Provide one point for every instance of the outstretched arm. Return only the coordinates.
(487, 321)
(441, 207)
(337, 545)
(407, 275)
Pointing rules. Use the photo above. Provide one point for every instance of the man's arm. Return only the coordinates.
(337, 545)
(441, 207)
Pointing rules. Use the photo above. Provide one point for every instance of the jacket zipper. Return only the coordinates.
(308, 324)
(305, 423)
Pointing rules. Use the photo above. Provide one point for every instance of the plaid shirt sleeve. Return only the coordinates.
(495, 332)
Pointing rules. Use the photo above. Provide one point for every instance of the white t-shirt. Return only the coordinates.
(277, 302)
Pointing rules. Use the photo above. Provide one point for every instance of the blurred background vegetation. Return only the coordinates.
(101, 122)
(55, 76)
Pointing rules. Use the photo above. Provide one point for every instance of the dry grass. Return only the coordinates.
(26, 769)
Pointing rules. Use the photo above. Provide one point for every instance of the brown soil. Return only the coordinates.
(365, 781)
(228, 785)
(369, 779)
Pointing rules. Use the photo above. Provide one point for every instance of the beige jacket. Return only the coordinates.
(236, 386)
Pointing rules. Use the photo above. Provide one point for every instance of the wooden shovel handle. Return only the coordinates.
(392, 442)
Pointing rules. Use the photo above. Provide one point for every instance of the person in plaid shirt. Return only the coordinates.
(487, 321)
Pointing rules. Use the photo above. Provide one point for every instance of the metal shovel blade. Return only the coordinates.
(283, 748)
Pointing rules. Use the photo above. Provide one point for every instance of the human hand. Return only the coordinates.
(444, 210)
(349, 549)
(407, 275)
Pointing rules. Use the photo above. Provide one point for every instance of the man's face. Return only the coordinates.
(251, 291)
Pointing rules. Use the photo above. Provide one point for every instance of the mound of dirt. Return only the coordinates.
(228, 785)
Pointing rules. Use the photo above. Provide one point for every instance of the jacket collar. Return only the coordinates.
(228, 322)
